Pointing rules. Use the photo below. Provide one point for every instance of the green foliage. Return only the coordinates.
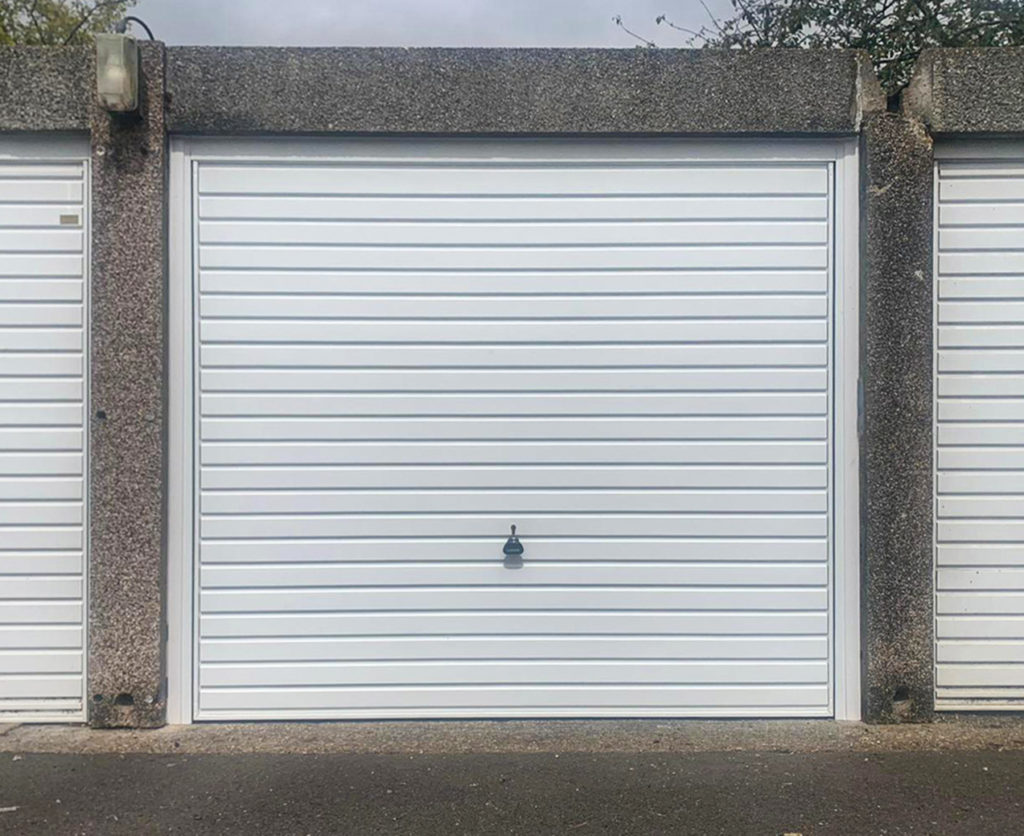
(892, 31)
(56, 22)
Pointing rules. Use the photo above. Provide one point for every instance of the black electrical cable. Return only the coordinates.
(122, 25)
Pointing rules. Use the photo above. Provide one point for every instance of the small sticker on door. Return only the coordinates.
(69, 220)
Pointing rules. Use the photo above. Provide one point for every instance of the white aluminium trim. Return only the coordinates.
(44, 147)
(976, 150)
(935, 416)
(86, 424)
(845, 535)
(180, 443)
(846, 564)
(355, 149)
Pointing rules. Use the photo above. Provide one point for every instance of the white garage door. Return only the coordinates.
(980, 429)
(42, 567)
(622, 350)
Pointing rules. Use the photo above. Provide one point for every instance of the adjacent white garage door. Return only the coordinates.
(980, 429)
(622, 349)
(42, 390)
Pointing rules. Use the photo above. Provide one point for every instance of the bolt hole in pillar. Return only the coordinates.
(902, 704)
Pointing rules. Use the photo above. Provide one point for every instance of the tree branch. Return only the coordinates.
(35, 22)
(88, 16)
(662, 19)
(628, 31)
(714, 20)
(752, 21)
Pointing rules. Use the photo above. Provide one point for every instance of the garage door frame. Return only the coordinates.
(970, 151)
(68, 147)
(841, 154)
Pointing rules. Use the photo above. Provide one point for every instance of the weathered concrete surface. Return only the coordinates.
(127, 464)
(980, 732)
(516, 91)
(897, 597)
(45, 88)
(969, 91)
(970, 793)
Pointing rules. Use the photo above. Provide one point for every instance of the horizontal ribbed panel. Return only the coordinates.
(629, 360)
(42, 391)
(980, 435)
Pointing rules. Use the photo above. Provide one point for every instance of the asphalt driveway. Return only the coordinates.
(909, 792)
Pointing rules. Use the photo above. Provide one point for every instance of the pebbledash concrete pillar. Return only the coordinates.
(128, 395)
(896, 435)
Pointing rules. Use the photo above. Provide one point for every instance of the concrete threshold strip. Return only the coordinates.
(957, 733)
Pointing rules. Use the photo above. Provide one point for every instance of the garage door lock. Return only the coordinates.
(513, 551)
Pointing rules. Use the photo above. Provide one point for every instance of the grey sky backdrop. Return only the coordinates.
(418, 22)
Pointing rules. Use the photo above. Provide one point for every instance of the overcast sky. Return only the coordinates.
(418, 22)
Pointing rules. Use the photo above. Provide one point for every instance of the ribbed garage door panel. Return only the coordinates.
(980, 435)
(42, 366)
(629, 359)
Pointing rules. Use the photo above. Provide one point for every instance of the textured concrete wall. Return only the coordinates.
(232, 90)
(897, 596)
(128, 403)
(45, 88)
(969, 91)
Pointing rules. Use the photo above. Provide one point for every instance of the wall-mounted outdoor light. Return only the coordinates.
(117, 72)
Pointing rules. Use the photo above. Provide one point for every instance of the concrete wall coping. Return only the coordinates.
(969, 91)
(221, 90)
